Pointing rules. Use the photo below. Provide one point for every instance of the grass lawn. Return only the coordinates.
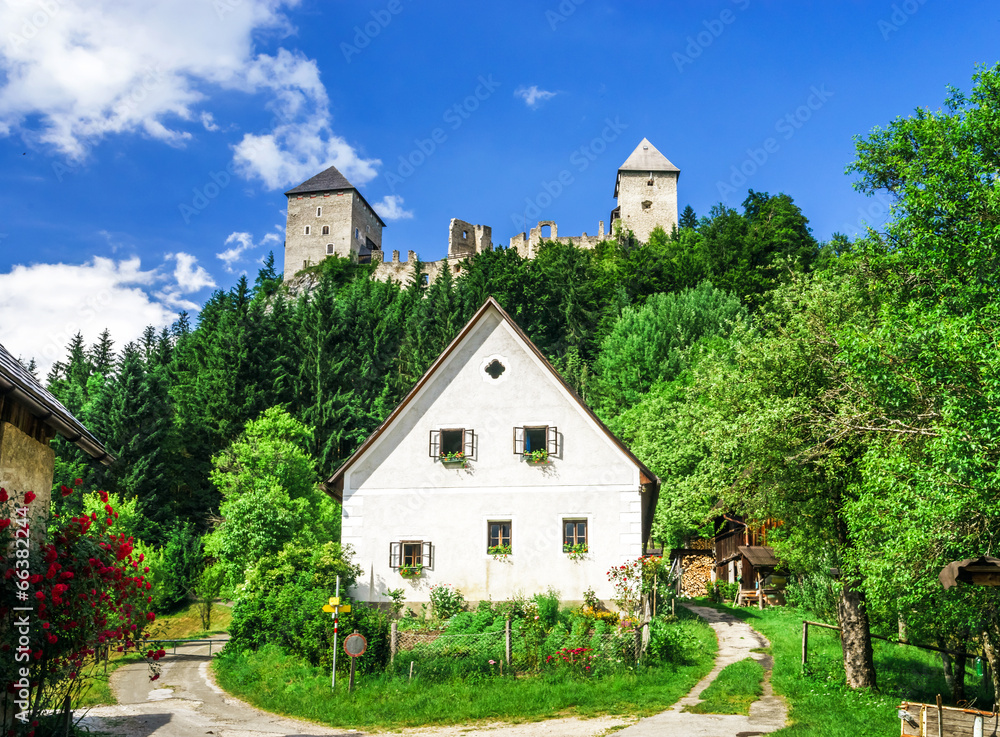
(820, 705)
(280, 683)
(733, 690)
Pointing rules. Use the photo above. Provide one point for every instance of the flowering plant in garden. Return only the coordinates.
(411, 571)
(499, 552)
(578, 660)
(575, 552)
(635, 579)
(70, 591)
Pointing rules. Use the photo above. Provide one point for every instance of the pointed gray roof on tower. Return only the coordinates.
(647, 158)
(328, 180)
(331, 180)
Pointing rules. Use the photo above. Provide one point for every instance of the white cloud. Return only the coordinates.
(239, 243)
(75, 71)
(533, 96)
(42, 306)
(391, 208)
(189, 276)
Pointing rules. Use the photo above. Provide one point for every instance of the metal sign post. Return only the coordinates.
(336, 621)
(354, 645)
(335, 608)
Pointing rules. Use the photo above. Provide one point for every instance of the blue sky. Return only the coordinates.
(146, 145)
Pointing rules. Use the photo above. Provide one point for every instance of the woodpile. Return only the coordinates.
(697, 570)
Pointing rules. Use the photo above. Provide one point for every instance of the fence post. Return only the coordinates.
(506, 633)
(393, 641)
(805, 643)
(638, 643)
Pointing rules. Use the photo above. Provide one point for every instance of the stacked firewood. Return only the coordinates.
(697, 570)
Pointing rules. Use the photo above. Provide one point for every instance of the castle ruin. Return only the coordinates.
(328, 216)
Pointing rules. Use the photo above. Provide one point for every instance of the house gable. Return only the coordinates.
(457, 392)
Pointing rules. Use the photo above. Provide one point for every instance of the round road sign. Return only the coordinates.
(355, 645)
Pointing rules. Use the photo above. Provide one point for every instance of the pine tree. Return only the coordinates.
(688, 218)
(102, 354)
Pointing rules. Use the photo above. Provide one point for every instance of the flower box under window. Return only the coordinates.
(537, 444)
(452, 446)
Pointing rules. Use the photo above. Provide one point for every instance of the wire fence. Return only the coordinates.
(440, 655)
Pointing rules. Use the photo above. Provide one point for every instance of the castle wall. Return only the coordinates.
(644, 205)
(527, 244)
(466, 239)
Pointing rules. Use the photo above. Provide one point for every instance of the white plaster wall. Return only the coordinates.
(395, 491)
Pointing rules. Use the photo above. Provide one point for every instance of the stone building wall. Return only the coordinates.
(336, 213)
(644, 205)
(364, 224)
(466, 239)
(26, 464)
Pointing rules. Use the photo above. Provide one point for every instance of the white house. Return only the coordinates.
(535, 470)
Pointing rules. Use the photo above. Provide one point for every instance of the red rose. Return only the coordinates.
(29, 497)
(78, 482)
(65, 490)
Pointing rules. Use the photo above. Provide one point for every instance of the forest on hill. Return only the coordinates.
(848, 389)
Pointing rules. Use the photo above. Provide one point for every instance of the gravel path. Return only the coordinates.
(736, 640)
(186, 702)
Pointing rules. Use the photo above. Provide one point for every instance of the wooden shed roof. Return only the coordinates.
(760, 556)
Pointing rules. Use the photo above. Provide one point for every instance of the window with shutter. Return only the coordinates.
(434, 444)
(427, 552)
(552, 441)
(395, 555)
(470, 444)
(518, 440)
(413, 551)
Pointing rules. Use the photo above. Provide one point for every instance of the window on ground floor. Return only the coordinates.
(411, 554)
(574, 536)
(498, 537)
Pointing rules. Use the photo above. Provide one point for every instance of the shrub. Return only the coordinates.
(548, 607)
(670, 641)
(87, 591)
(283, 598)
(446, 601)
(816, 592)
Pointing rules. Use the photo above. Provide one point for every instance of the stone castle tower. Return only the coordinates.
(646, 189)
(327, 215)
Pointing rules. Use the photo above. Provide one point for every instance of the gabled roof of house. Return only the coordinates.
(21, 385)
(330, 180)
(645, 158)
(335, 484)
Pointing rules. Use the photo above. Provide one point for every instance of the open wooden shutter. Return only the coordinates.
(395, 555)
(426, 559)
(470, 444)
(552, 441)
(434, 444)
(518, 440)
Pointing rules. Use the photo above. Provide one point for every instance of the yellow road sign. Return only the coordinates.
(344, 608)
(334, 600)
(327, 608)
(340, 608)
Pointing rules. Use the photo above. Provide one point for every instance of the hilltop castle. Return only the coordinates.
(327, 216)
